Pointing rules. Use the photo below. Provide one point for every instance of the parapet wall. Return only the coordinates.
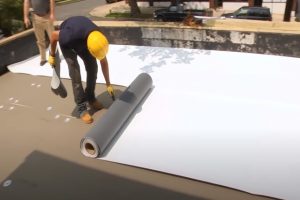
(251, 37)
(17, 48)
(239, 41)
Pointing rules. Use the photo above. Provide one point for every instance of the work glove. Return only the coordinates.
(111, 92)
(51, 60)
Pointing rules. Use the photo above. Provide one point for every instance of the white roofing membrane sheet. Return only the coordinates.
(226, 118)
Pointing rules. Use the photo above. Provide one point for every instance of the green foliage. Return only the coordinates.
(11, 16)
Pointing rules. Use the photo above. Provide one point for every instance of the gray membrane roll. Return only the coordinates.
(106, 128)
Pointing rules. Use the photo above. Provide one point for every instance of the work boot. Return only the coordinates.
(84, 114)
(43, 62)
(96, 105)
(86, 117)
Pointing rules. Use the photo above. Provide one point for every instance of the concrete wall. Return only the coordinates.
(23, 45)
(284, 44)
(17, 48)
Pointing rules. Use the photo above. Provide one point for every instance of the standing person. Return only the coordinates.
(42, 21)
(79, 36)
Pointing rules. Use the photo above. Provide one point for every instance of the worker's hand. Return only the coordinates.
(27, 22)
(52, 18)
(110, 91)
(51, 60)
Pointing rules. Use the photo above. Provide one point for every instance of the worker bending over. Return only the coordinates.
(79, 36)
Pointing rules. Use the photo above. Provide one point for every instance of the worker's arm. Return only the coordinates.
(26, 13)
(52, 5)
(53, 44)
(105, 71)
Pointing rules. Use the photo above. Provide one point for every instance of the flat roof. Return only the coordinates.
(224, 118)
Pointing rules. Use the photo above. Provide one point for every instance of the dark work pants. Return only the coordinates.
(91, 67)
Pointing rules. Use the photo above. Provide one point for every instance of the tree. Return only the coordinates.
(11, 16)
(134, 9)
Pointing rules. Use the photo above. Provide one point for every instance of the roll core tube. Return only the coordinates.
(106, 128)
(90, 148)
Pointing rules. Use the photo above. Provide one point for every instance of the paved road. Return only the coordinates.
(78, 8)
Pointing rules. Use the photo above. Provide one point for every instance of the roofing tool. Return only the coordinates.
(113, 97)
(110, 91)
(57, 86)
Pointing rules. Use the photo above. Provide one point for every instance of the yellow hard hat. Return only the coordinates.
(97, 44)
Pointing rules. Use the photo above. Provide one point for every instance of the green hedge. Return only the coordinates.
(11, 16)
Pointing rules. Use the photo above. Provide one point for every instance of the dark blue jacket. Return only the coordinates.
(74, 32)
